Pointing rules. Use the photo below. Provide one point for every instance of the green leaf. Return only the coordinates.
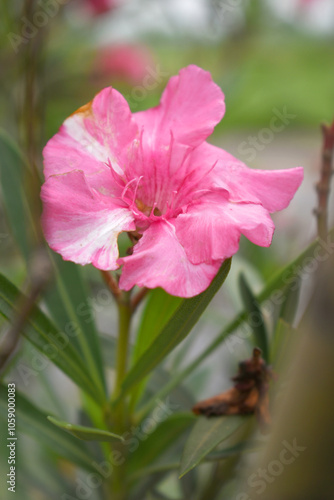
(158, 441)
(291, 301)
(175, 330)
(255, 318)
(85, 433)
(13, 174)
(71, 308)
(242, 447)
(41, 332)
(159, 308)
(281, 341)
(33, 421)
(206, 434)
(180, 395)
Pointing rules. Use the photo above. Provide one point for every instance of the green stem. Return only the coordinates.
(119, 415)
(124, 321)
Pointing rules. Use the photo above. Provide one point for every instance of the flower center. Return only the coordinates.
(147, 210)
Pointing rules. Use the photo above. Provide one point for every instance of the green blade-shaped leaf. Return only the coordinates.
(158, 310)
(70, 306)
(255, 317)
(180, 395)
(175, 330)
(159, 440)
(290, 303)
(85, 433)
(33, 421)
(206, 434)
(41, 332)
(283, 335)
(13, 173)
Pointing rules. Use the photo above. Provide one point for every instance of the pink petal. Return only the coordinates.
(274, 189)
(190, 107)
(159, 260)
(81, 224)
(98, 133)
(210, 230)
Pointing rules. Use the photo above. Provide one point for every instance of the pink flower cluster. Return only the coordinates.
(153, 174)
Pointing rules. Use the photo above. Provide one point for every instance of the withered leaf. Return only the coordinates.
(249, 394)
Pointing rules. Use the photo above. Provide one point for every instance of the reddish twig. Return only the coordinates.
(323, 186)
(138, 298)
(112, 284)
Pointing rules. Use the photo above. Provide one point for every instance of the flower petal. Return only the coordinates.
(81, 224)
(274, 189)
(210, 230)
(97, 134)
(159, 260)
(190, 107)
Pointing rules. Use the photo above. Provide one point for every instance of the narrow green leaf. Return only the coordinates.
(243, 447)
(33, 421)
(13, 173)
(279, 347)
(158, 441)
(159, 309)
(255, 318)
(180, 395)
(41, 332)
(175, 330)
(85, 433)
(70, 306)
(291, 301)
(206, 434)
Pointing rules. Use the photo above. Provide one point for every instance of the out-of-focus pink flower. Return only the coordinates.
(152, 173)
(126, 62)
(306, 3)
(101, 6)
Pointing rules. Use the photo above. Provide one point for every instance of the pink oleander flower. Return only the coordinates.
(152, 173)
(125, 62)
(99, 7)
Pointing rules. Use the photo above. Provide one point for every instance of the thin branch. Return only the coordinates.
(138, 298)
(323, 186)
(112, 284)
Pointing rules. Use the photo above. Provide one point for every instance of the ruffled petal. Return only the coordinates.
(81, 224)
(190, 107)
(274, 189)
(210, 230)
(159, 260)
(97, 136)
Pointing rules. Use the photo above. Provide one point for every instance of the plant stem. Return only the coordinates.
(138, 298)
(119, 417)
(323, 186)
(124, 318)
(112, 284)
